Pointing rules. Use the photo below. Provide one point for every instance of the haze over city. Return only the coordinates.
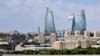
(28, 15)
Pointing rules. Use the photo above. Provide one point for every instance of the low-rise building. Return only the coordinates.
(41, 37)
(77, 33)
(67, 33)
(86, 34)
(53, 37)
(72, 42)
(65, 45)
(85, 43)
(30, 47)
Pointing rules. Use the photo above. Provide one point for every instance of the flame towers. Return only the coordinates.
(77, 22)
(49, 23)
(80, 21)
(71, 22)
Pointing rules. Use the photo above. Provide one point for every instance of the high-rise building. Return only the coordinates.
(49, 23)
(80, 22)
(71, 22)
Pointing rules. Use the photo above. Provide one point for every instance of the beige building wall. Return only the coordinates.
(86, 34)
(65, 45)
(93, 40)
(67, 33)
(77, 33)
(97, 34)
(57, 45)
(85, 43)
(95, 37)
(71, 45)
(41, 38)
(53, 37)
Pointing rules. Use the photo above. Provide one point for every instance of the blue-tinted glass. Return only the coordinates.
(80, 21)
(49, 23)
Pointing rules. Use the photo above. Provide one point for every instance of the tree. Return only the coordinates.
(83, 51)
(91, 50)
(43, 52)
(75, 51)
(98, 50)
(28, 52)
(65, 51)
(53, 51)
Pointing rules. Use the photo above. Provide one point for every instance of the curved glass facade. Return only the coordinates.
(80, 21)
(71, 22)
(49, 23)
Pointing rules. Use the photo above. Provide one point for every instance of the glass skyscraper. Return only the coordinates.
(71, 22)
(49, 23)
(80, 21)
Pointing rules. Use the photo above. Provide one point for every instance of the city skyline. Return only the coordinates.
(28, 15)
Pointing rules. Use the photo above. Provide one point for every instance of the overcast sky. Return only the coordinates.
(27, 15)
